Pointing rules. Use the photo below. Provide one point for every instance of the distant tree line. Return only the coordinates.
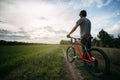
(3, 42)
(103, 40)
(106, 40)
(67, 42)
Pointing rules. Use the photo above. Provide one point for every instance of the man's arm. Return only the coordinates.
(74, 28)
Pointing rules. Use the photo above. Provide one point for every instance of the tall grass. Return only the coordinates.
(32, 62)
(114, 55)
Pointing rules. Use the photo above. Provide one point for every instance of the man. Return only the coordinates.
(85, 29)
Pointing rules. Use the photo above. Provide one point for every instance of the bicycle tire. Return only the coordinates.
(101, 66)
(70, 53)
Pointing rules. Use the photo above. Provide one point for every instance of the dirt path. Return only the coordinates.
(72, 73)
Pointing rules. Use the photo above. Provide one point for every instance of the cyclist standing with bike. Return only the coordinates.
(85, 29)
(95, 59)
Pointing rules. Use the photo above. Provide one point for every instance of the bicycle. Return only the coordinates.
(95, 59)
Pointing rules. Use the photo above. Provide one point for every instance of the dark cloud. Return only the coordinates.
(3, 31)
(2, 21)
(42, 18)
(8, 35)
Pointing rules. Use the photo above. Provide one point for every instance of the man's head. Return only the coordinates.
(83, 13)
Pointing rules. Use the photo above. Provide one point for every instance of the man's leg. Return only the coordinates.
(88, 45)
(83, 41)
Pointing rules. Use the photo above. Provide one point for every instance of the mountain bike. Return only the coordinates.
(95, 59)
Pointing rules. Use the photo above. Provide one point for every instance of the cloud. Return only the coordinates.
(99, 22)
(116, 13)
(2, 31)
(115, 29)
(50, 20)
(89, 3)
(47, 32)
(2, 21)
(36, 14)
(9, 35)
(100, 3)
(51, 29)
(42, 18)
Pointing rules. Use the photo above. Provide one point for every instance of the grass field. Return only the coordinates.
(32, 62)
(46, 62)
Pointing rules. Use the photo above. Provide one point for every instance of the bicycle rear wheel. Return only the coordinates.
(70, 53)
(101, 65)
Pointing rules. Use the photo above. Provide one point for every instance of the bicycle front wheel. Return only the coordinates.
(101, 65)
(70, 53)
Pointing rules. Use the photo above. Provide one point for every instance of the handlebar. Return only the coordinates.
(72, 38)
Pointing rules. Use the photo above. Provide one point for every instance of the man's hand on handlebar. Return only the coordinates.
(68, 36)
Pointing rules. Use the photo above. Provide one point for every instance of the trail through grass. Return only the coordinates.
(32, 62)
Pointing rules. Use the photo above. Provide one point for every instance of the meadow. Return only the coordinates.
(46, 62)
(32, 62)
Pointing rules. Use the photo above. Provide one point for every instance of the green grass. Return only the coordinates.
(113, 54)
(32, 62)
(46, 62)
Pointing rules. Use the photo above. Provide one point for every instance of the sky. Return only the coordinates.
(49, 21)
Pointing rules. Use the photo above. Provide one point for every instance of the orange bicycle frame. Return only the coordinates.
(76, 43)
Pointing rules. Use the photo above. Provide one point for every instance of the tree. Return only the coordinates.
(65, 42)
(116, 42)
(105, 38)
